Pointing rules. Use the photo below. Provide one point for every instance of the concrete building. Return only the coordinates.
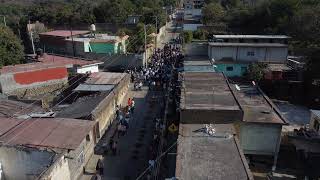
(207, 98)
(233, 53)
(83, 43)
(197, 64)
(58, 151)
(192, 14)
(96, 100)
(204, 156)
(208, 147)
(260, 130)
(48, 73)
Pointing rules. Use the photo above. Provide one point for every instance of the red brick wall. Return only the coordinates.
(41, 75)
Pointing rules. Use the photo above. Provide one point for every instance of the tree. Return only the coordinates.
(11, 50)
(187, 36)
(213, 13)
(256, 71)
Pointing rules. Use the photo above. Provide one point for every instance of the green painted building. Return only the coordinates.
(232, 69)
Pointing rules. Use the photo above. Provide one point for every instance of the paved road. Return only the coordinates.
(132, 158)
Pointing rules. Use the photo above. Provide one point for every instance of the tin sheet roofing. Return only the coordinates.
(206, 90)
(105, 78)
(47, 61)
(66, 61)
(45, 132)
(226, 44)
(251, 36)
(256, 105)
(201, 156)
(94, 87)
(64, 33)
(10, 108)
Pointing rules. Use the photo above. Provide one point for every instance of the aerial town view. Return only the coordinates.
(159, 89)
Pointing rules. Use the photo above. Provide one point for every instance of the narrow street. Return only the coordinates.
(132, 156)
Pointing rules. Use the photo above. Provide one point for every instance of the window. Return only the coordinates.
(229, 68)
(250, 53)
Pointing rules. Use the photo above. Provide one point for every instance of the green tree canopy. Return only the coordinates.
(11, 50)
(213, 13)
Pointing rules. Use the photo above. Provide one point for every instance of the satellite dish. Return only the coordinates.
(214, 66)
(213, 60)
(237, 87)
(253, 83)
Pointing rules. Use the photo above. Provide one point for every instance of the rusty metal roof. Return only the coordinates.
(256, 105)
(105, 78)
(64, 33)
(56, 133)
(10, 108)
(48, 61)
(206, 90)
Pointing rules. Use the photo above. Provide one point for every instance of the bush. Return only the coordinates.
(200, 34)
(187, 36)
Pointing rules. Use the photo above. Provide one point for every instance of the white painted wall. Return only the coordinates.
(259, 138)
(269, 54)
(191, 27)
(19, 164)
(89, 68)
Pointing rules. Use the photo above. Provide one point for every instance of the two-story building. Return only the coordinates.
(232, 54)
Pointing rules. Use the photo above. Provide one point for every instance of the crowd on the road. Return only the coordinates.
(156, 76)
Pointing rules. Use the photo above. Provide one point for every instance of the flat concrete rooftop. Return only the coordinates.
(206, 98)
(257, 107)
(206, 90)
(218, 157)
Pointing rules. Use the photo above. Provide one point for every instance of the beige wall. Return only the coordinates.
(59, 170)
(105, 111)
(24, 163)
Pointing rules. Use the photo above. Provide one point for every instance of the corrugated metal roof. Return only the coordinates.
(105, 78)
(10, 108)
(45, 132)
(94, 87)
(64, 33)
(252, 36)
(47, 61)
(226, 44)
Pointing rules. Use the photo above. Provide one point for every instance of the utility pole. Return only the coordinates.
(4, 20)
(156, 31)
(32, 43)
(145, 44)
